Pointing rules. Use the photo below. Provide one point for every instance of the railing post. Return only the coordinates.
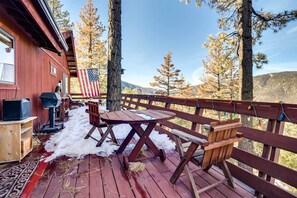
(269, 152)
(266, 152)
(137, 103)
(274, 156)
(195, 125)
(130, 101)
(150, 103)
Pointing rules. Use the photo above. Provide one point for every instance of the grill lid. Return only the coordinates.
(50, 99)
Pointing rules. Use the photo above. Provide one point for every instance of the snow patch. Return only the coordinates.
(70, 141)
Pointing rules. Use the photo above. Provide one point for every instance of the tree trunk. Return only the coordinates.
(245, 66)
(114, 56)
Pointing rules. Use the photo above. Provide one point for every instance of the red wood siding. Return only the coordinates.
(32, 66)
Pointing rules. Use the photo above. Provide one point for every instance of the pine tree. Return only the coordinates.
(184, 89)
(91, 52)
(167, 82)
(221, 74)
(247, 25)
(62, 17)
(114, 55)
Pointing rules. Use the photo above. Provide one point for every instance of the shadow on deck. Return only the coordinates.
(105, 177)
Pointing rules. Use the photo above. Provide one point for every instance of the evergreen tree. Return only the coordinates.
(91, 52)
(247, 25)
(167, 82)
(220, 80)
(114, 55)
(62, 17)
(184, 89)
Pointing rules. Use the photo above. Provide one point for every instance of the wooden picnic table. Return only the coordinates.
(135, 118)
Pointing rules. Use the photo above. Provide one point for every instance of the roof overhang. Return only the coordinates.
(70, 54)
(48, 16)
(36, 19)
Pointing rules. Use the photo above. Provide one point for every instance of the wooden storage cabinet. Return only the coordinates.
(15, 139)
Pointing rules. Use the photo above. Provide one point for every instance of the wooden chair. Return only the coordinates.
(73, 104)
(94, 119)
(205, 153)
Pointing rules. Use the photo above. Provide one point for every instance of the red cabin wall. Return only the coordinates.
(32, 66)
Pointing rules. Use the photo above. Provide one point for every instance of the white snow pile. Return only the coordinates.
(70, 141)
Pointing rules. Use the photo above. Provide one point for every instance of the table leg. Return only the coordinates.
(148, 141)
(144, 139)
(126, 141)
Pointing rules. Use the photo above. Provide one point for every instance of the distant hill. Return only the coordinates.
(273, 87)
(145, 90)
(276, 87)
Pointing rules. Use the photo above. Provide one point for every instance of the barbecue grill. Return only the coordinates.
(51, 100)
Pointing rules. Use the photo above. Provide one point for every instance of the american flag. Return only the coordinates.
(89, 82)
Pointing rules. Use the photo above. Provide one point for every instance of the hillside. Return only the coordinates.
(276, 87)
(273, 87)
(144, 90)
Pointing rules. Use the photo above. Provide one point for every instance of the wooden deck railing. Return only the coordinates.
(271, 137)
(79, 96)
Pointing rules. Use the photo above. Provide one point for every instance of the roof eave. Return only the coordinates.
(49, 16)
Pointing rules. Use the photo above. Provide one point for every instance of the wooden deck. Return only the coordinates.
(105, 177)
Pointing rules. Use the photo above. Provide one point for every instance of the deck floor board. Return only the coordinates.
(96, 184)
(96, 176)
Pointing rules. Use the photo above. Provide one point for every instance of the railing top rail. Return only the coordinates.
(276, 111)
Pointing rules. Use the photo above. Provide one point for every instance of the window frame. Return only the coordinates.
(65, 84)
(6, 84)
(55, 70)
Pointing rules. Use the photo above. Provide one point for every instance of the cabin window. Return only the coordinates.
(65, 84)
(53, 70)
(7, 68)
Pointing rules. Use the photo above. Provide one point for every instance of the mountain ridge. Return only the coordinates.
(272, 87)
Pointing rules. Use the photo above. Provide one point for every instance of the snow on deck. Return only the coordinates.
(70, 141)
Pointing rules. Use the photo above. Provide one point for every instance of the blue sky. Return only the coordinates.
(151, 28)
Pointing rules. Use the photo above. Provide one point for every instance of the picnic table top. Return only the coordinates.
(136, 116)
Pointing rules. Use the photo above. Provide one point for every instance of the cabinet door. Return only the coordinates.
(10, 137)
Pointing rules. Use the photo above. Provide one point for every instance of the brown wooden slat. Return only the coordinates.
(150, 185)
(257, 183)
(201, 183)
(264, 109)
(42, 185)
(110, 186)
(121, 180)
(211, 176)
(181, 185)
(137, 187)
(273, 169)
(278, 141)
(163, 184)
(96, 185)
(82, 180)
(272, 139)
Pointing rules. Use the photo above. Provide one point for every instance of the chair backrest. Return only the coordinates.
(94, 116)
(221, 138)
